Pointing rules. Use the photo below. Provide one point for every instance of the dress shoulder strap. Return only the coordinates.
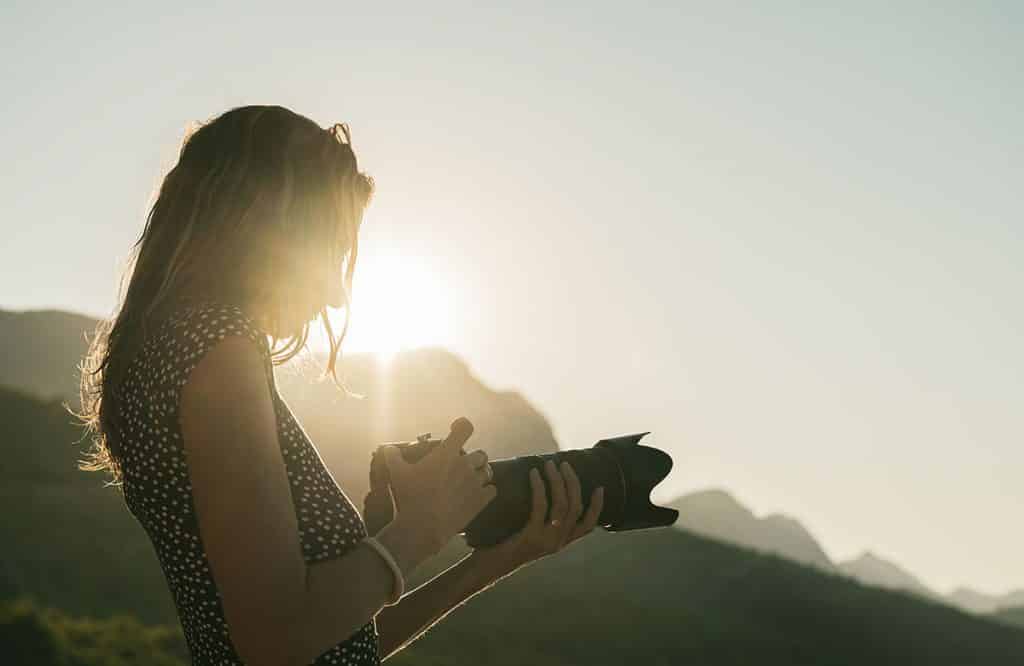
(198, 328)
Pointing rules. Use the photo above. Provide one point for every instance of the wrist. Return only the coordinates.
(398, 587)
(408, 543)
(496, 563)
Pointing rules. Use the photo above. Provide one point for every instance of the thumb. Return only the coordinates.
(394, 461)
(461, 429)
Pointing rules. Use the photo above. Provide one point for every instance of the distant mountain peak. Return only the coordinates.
(867, 557)
(784, 520)
(715, 513)
(981, 602)
(872, 569)
(712, 497)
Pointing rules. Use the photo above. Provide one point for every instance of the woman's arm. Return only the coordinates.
(419, 610)
(278, 609)
(422, 608)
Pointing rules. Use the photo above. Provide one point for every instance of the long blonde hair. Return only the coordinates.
(273, 201)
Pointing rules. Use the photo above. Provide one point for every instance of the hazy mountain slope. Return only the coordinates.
(870, 569)
(716, 514)
(66, 539)
(41, 349)
(979, 602)
(873, 570)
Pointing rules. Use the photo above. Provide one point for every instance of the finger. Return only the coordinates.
(538, 501)
(474, 470)
(574, 505)
(393, 475)
(461, 429)
(559, 497)
(393, 460)
(476, 459)
(483, 474)
(572, 485)
(593, 513)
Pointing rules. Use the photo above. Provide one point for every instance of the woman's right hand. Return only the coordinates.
(442, 492)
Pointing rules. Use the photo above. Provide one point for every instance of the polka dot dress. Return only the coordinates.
(157, 490)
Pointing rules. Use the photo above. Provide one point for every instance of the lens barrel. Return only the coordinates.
(627, 470)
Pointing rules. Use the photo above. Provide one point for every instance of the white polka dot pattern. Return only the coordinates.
(157, 490)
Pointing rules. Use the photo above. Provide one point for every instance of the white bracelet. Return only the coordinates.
(399, 586)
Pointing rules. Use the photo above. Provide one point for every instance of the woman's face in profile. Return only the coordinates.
(312, 289)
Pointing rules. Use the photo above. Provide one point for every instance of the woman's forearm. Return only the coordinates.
(420, 609)
(343, 594)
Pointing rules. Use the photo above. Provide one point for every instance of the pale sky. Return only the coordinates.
(788, 241)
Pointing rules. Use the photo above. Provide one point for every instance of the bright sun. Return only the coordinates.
(398, 303)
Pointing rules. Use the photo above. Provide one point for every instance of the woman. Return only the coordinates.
(266, 558)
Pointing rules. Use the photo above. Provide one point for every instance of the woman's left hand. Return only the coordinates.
(567, 523)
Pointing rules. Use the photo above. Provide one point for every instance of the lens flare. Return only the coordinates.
(399, 303)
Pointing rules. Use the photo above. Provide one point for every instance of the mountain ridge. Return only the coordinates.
(51, 342)
(716, 513)
(981, 602)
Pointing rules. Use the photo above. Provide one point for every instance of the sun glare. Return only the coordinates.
(398, 303)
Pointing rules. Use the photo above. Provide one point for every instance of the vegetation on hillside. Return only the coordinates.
(31, 635)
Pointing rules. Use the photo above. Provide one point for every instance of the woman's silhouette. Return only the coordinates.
(253, 235)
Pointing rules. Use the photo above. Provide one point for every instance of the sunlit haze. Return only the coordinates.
(398, 303)
(785, 239)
